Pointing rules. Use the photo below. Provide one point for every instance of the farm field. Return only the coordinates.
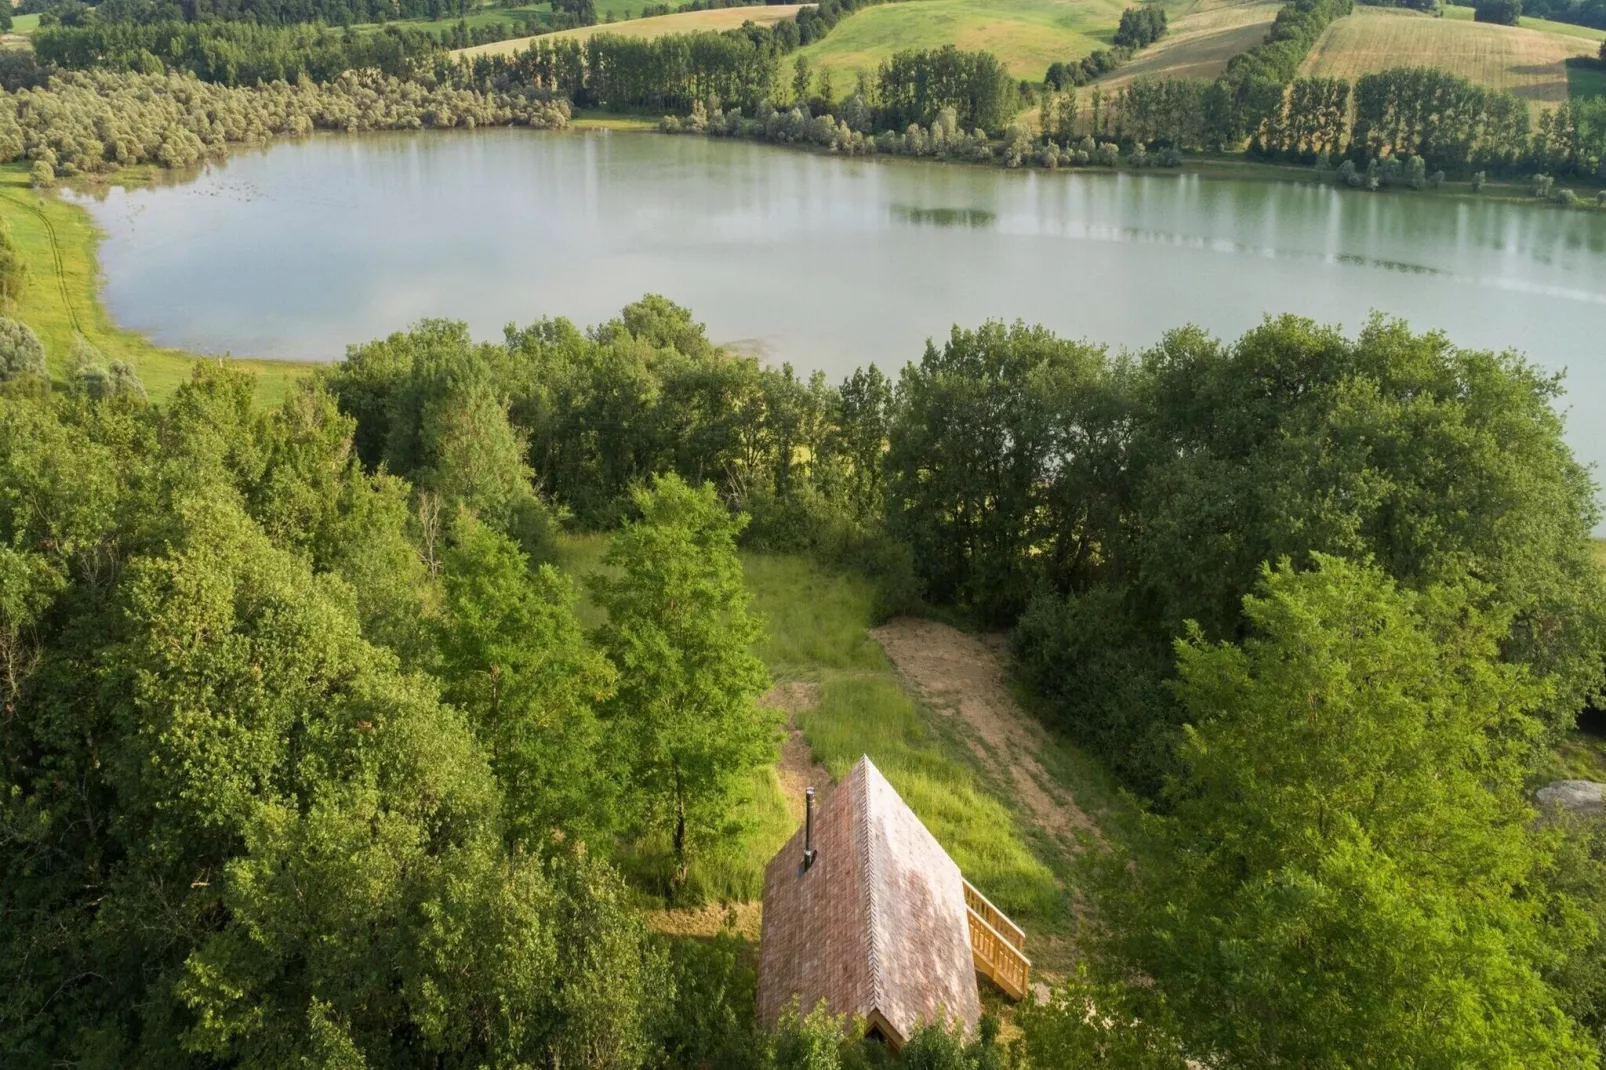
(1201, 40)
(728, 18)
(1027, 35)
(1566, 29)
(1529, 63)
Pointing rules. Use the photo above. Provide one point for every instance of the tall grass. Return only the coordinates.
(872, 715)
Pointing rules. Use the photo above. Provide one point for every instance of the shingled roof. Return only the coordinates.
(876, 926)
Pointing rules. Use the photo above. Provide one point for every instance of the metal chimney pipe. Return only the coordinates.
(808, 828)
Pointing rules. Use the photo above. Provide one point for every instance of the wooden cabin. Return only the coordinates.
(864, 909)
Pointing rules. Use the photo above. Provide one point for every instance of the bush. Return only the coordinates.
(21, 352)
(1500, 12)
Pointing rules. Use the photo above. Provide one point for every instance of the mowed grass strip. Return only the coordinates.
(1198, 44)
(1026, 35)
(727, 18)
(1529, 63)
(61, 298)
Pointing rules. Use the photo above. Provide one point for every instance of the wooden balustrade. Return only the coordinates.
(997, 945)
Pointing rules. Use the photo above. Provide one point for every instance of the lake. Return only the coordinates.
(300, 248)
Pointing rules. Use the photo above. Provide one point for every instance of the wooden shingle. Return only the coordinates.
(877, 927)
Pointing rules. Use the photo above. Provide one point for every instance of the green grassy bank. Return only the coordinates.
(58, 243)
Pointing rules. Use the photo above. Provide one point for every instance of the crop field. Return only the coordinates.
(1201, 40)
(1530, 63)
(1027, 35)
(728, 18)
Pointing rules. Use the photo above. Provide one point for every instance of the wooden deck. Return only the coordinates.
(997, 945)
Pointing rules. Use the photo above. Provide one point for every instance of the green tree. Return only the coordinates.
(1341, 874)
(21, 352)
(514, 659)
(680, 633)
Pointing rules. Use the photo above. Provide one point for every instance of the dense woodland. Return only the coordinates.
(306, 757)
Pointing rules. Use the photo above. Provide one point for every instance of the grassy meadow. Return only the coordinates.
(58, 242)
(728, 18)
(816, 636)
(1531, 63)
(1026, 35)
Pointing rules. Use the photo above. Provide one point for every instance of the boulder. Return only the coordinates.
(1583, 797)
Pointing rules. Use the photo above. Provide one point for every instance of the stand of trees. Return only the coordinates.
(233, 53)
(296, 684)
(84, 123)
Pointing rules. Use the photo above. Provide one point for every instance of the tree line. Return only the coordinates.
(97, 121)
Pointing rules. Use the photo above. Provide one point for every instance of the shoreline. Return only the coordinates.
(59, 246)
(58, 242)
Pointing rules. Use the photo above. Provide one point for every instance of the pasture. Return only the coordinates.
(1027, 35)
(1529, 63)
(728, 18)
(1200, 40)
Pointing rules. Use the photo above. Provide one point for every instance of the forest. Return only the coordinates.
(308, 758)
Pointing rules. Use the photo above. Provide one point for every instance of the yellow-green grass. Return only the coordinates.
(593, 119)
(1200, 41)
(1530, 63)
(1566, 29)
(1027, 35)
(727, 18)
(57, 243)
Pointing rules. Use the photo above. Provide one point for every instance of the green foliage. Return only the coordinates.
(1432, 460)
(514, 659)
(1342, 874)
(1502, 12)
(1083, 1023)
(971, 478)
(712, 1022)
(685, 718)
(21, 352)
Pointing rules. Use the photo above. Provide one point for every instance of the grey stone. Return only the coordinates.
(1574, 796)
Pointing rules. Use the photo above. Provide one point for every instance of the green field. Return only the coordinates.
(58, 243)
(1027, 35)
(1566, 29)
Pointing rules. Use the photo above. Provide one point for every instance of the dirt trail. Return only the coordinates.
(962, 676)
(797, 768)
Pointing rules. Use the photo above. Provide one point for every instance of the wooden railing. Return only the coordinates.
(997, 945)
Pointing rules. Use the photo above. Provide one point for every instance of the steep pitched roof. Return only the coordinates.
(877, 926)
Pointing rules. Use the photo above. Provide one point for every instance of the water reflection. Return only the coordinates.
(944, 217)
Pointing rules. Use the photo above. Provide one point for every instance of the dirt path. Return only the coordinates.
(962, 676)
(797, 768)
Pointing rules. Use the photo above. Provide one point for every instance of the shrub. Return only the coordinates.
(21, 352)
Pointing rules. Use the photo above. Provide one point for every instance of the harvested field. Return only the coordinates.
(726, 18)
(1199, 43)
(1530, 63)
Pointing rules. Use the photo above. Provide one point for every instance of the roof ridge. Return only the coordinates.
(869, 884)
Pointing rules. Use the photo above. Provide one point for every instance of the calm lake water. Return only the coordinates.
(299, 249)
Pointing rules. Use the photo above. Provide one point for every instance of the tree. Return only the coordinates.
(1501, 12)
(21, 352)
(685, 718)
(986, 440)
(1341, 873)
(514, 659)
